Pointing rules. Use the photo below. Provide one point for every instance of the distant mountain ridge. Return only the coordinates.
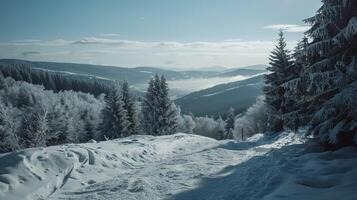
(217, 100)
(137, 77)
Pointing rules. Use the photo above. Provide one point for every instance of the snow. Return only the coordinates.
(147, 72)
(232, 88)
(72, 73)
(181, 166)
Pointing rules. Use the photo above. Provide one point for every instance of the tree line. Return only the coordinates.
(32, 116)
(55, 81)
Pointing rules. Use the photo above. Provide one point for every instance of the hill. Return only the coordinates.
(218, 99)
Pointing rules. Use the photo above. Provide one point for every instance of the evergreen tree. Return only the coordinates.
(89, 131)
(280, 61)
(294, 88)
(159, 113)
(9, 140)
(221, 128)
(35, 129)
(230, 123)
(130, 107)
(24, 98)
(2, 81)
(331, 88)
(115, 122)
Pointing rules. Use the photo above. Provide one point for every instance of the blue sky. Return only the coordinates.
(177, 34)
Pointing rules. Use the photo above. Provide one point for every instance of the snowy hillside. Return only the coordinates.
(239, 95)
(180, 166)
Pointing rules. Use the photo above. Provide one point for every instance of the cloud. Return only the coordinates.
(175, 45)
(292, 28)
(119, 52)
(109, 35)
(105, 41)
(29, 53)
(56, 42)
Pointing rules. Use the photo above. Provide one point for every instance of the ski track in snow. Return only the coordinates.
(180, 166)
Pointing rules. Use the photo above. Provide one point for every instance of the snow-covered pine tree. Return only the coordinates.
(2, 81)
(89, 128)
(168, 109)
(230, 123)
(159, 112)
(130, 107)
(149, 117)
(221, 128)
(115, 118)
(294, 89)
(280, 62)
(35, 128)
(332, 74)
(9, 140)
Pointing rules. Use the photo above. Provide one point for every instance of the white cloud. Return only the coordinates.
(292, 28)
(109, 35)
(119, 52)
(105, 41)
(56, 42)
(170, 45)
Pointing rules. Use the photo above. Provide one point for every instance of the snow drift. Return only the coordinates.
(180, 166)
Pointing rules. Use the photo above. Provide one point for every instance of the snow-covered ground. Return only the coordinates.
(181, 166)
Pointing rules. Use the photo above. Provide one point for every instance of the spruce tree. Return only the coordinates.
(280, 62)
(129, 106)
(331, 87)
(230, 123)
(159, 112)
(115, 118)
(294, 88)
(149, 116)
(9, 140)
(35, 128)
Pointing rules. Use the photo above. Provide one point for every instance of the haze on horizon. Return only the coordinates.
(173, 34)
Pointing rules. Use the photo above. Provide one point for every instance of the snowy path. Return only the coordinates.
(183, 167)
(180, 171)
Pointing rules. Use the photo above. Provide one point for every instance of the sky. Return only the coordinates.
(177, 34)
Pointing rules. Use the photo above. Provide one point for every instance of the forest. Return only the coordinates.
(312, 86)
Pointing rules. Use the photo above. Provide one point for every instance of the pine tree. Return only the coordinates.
(2, 81)
(35, 128)
(115, 118)
(24, 98)
(148, 109)
(230, 123)
(47, 81)
(130, 107)
(221, 128)
(294, 88)
(159, 112)
(331, 88)
(280, 61)
(9, 140)
(89, 131)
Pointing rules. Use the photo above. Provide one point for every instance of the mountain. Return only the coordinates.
(218, 99)
(137, 77)
(256, 67)
(242, 72)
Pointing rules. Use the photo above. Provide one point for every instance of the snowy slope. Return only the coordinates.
(180, 166)
(239, 95)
